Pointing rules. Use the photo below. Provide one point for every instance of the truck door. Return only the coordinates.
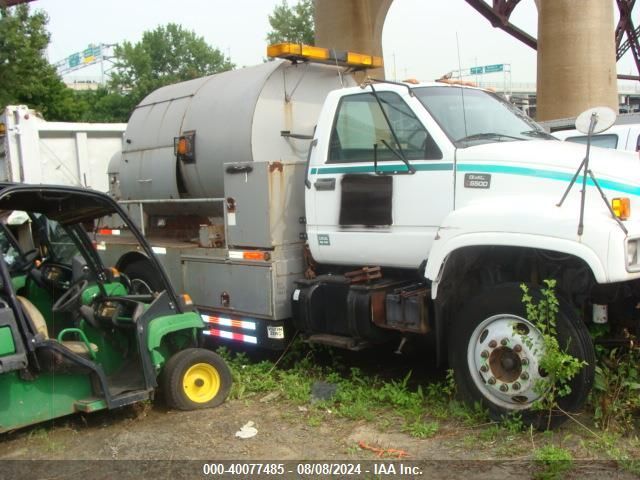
(368, 209)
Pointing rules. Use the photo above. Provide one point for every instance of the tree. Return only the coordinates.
(166, 55)
(101, 105)
(292, 24)
(26, 77)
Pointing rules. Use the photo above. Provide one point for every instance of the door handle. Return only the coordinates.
(325, 184)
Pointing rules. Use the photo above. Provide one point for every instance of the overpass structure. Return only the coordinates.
(578, 44)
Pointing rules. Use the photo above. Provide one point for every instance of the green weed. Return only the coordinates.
(560, 366)
(552, 461)
(421, 429)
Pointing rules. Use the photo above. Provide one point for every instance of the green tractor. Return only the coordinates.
(75, 335)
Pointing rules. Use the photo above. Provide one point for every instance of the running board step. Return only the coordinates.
(128, 398)
(338, 341)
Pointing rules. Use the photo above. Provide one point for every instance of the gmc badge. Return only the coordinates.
(477, 180)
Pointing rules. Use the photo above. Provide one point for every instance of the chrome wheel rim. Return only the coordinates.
(503, 357)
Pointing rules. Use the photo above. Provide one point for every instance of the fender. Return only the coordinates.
(517, 224)
(129, 258)
(162, 326)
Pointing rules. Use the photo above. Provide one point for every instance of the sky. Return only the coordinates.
(422, 39)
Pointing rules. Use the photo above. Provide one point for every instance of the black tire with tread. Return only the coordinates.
(178, 364)
(573, 335)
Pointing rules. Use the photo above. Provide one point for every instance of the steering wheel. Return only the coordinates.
(71, 298)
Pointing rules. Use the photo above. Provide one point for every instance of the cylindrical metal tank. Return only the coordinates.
(237, 116)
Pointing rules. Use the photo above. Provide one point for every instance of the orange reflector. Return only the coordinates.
(182, 146)
(253, 255)
(115, 272)
(621, 207)
(3, 128)
(186, 298)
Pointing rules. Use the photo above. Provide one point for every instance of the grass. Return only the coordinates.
(423, 411)
(358, 396)
(553, 462)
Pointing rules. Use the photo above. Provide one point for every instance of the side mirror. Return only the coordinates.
(603, 118)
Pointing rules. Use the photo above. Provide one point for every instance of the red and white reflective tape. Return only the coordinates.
(239, 337)
(108, 231)
(229, 322)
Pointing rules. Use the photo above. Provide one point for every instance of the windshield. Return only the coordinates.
(60, 245)
(470, 117)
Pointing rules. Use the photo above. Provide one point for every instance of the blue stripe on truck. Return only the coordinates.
(480, 168)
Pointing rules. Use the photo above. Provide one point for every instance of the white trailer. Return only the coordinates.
(33, 150)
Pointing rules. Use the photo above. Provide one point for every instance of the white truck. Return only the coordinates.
(33, 150)
(624, 135)
(284, 197)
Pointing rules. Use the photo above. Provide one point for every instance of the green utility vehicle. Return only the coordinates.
(76, 336)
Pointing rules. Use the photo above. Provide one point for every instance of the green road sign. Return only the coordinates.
(494, 68)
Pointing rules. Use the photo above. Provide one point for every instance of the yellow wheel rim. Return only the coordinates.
(201, 383)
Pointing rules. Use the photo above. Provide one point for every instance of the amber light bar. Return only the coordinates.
(307, 53)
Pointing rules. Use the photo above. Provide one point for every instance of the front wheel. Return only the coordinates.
(495, 352)
(196, 378)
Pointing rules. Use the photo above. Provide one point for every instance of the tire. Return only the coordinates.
(143, 280)
(195, 378)
(500, 377)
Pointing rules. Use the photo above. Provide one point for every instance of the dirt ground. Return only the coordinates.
(285, 432)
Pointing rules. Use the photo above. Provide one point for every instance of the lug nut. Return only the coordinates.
(517, 348)
(491, 381)
(524, 376)
(484, 354)
(493, 344)
(504, 387)
(525, 361)
(484, 369)
(504, 342)
(516, 386)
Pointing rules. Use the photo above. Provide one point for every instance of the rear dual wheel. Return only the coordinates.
(495, 352)
(196, 378)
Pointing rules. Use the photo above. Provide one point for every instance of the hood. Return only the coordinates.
(615, 170)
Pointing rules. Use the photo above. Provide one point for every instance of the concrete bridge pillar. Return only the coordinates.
(576, 57)
(354, 25)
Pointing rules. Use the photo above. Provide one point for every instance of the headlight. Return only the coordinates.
(632, 254)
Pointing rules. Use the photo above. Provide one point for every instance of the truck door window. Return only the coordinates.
(609, 140)
(360, 124)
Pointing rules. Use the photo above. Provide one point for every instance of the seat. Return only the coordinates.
(79, 348)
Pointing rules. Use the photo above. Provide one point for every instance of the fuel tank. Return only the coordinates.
(254, 114)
